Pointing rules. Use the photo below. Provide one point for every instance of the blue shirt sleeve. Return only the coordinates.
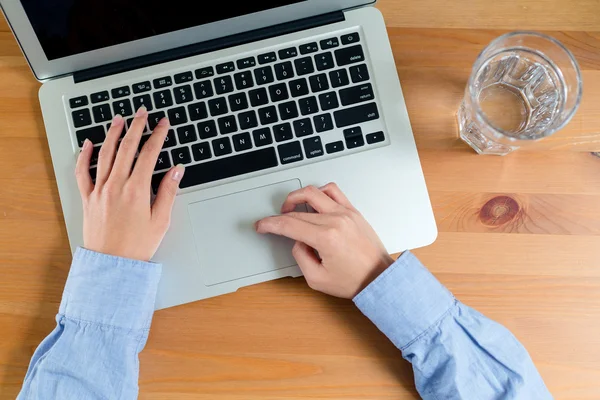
(102, 325)
(456, 352)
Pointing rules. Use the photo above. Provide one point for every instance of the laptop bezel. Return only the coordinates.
(44, 69)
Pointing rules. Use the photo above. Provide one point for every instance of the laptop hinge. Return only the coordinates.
(208, 46)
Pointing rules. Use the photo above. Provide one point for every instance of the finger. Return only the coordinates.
(82, 170)
(293, 228)
(144, 167)
(312, 218)
(106, 157)
(167, 191)
(308, 261)
(309, 195)
(332, 190)
(129, 146)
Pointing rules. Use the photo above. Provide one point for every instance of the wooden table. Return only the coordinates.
(537, 273)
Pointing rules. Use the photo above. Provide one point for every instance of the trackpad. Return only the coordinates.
(228, 246)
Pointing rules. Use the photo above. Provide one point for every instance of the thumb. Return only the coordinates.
(163, 204)
(308, 262)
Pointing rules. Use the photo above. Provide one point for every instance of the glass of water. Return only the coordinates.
(525, 86)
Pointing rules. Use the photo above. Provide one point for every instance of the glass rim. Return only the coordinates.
(479, 114)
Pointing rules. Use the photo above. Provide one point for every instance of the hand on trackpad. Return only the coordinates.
(227, 245)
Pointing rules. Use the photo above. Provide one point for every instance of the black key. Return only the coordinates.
(267, 58)
(123, 131)
(201, 151)
(169, 140)
(323, 122)
(328, 101)
(375, 137)
(313, 147)
(290, 152)
(246, 63)
(93, 172)
(123, 107)
(283, 132)
(262, 137)
(184, 77)
(78, 102)
(100, 96)
(101, 113)
(329, 43)
(308, 105)
(177, 116)
(334, 147)
(351, 38)
(163, 99)
(355, 141)
(242, 141)
(211, 171)
(243, 80)
(225, 67)
(82, 117)
(309, 48)
(298, 87)
(303, 127)
(205, 72)
(264, 75)
(221, 146)
(258, 97)
(288, 53)
(324, 61)
(203, 89)
(356, 115)
(227, 124)
(268, 115)
(318, 83)
(141, 87)
(247, 120)
(154, 119)
(359, 73)
(278, 92)
(181, 155)
(357, 94)
(207, 129)
(187, 134)
(143, 100)
(95, 134)
(120, 92)
(162, 82)
(351, 132)
(223, 84)
(197, 111)
(288, 110)
(339, 78)
(238, 101)
(183, 94)
(163, 161)
(95, 155)
(218, 106)
(304, 66)
(284, 70)
(349, 55)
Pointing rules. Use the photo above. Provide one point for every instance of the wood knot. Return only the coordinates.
(498, 211)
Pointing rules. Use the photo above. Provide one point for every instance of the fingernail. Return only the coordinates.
(117, 119)
(178, 173)
(142, 111)
(164, 122)
(86, 144)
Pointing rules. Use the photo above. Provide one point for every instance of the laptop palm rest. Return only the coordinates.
(227, 244)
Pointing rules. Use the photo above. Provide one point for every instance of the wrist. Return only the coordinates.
(383, 263)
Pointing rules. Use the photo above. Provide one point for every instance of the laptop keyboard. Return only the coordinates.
(246, 115)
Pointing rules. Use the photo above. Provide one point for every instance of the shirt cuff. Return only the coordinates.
(110, 290)
(405, 300)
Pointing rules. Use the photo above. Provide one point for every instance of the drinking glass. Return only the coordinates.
(524, 86)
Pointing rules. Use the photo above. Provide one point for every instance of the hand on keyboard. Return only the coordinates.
(118, 218)
(350, 252)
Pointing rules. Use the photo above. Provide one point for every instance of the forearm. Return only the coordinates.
(102, 325)
(456, 352)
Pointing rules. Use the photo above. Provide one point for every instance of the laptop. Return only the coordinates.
(264, 97)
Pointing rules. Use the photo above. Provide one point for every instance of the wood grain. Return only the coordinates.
(519, 236)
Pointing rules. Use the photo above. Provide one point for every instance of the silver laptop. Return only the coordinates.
(264, 97)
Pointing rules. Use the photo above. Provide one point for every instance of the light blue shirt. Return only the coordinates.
(108, 303)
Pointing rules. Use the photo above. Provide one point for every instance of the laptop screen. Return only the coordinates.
(68, 27)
